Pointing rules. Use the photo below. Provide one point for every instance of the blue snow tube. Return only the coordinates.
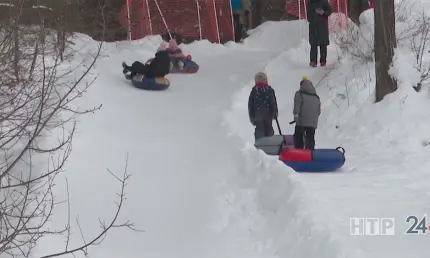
(189, 67)
(156, 84)
(319, 160)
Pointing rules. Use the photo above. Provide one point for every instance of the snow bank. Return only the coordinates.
(359, 40)
(277, 36)
(273, 36)
(402, 110)
(386, 151)
(266, 201)
(269, 214)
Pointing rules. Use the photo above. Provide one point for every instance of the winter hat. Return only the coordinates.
(162, 47)
(304, 78)
(260, 78)
(173, 44)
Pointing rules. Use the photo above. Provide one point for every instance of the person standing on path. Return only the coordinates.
(241, 17)
(318, 12)
(307, 109)
(262, 107)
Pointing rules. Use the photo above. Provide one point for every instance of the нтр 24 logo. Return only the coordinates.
(419, 227)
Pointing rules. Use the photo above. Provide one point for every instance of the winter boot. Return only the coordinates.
(313, 64)
(323, 63)
(124, 67)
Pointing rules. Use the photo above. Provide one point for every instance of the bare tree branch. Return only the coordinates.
(36, 97)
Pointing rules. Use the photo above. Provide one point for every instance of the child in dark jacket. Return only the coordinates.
(262, 107)
(159, 66)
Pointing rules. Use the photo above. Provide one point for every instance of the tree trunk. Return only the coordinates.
(385, 42)
(355, 8)
(257, 15)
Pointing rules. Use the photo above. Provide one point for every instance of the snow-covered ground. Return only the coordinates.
(200, 189)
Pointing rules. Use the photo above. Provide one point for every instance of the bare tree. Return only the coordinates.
(36, 96)
(359, 41)
(420, 47)
(385, 42)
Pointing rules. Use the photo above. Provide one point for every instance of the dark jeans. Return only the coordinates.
(137, 68)
(263, 129)
(314, 53)
(237, 27)
(304, 137)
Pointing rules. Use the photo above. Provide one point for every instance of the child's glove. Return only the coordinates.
(320, 11)
(189, 58)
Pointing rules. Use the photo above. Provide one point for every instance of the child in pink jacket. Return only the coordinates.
(176, 55)
(174, 50)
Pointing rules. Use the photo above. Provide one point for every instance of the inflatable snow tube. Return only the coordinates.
(189, 67)
(318, 160)
(156, 84)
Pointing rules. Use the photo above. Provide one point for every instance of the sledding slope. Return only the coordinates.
(198, 187)
(181, 160)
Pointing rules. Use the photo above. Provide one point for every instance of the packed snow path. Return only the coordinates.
(177, 150)
(177, 153)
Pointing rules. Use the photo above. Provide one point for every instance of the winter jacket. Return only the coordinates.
(160, 65)
(176, 53)
(174, 50)
(318, 24)
(236, 4)
(240, 5)
(262, 104)
(307, 105)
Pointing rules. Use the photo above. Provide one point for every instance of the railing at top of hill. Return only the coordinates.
(202, 19)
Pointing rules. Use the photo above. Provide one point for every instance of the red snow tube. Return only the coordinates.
(319, 160)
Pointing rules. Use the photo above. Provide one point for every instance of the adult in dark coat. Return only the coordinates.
(307, 109)
(318, 12)
(159, 66)
(241, 10)
(262, 107)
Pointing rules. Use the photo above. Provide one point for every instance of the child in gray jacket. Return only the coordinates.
(307, 109)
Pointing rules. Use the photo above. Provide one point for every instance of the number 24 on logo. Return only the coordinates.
(417, 227)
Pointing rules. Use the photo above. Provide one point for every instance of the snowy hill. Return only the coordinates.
(200, 189)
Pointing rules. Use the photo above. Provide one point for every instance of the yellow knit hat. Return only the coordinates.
(305, 78)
